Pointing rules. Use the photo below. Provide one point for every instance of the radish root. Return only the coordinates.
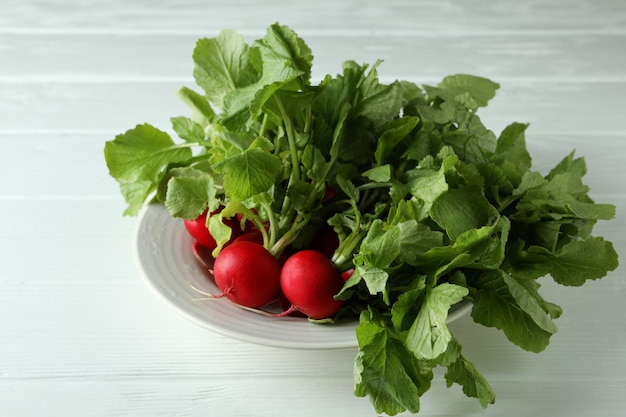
(262, 312)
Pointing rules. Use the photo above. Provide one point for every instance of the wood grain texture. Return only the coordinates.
(326, 16)
(32, 58)
(80, 332)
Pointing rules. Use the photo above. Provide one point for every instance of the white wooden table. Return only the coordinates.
(81, 335)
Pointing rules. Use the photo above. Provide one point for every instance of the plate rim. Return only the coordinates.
(459, 311)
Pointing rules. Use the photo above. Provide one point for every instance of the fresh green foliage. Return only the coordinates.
(139, 160)
(430, 206)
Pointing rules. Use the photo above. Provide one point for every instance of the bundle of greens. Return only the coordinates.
(429, 206)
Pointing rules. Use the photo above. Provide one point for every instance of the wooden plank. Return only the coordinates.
(323, 16)
(83, 356)
(60, 166)
(299, 397)
(60, 240)
(203, 395)
(62, 57)
(83, 335)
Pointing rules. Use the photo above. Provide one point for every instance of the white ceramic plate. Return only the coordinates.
(163, 251)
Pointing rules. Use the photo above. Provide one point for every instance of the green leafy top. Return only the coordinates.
(431, 207)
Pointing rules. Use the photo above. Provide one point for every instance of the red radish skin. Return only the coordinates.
(346, 275)
(256, 237)
(287, 307)
(247, 274)
(253, 236)
(329, 194)
(198, 230)
(309, 280)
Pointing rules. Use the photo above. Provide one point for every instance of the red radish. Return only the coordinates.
(247, 274)
(329, 193)
(288, 310)
(346, 275)
(198, 230)
(253, 236)
(309, 280)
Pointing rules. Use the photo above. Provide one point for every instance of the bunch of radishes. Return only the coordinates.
(304, 281)
(289, 186)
